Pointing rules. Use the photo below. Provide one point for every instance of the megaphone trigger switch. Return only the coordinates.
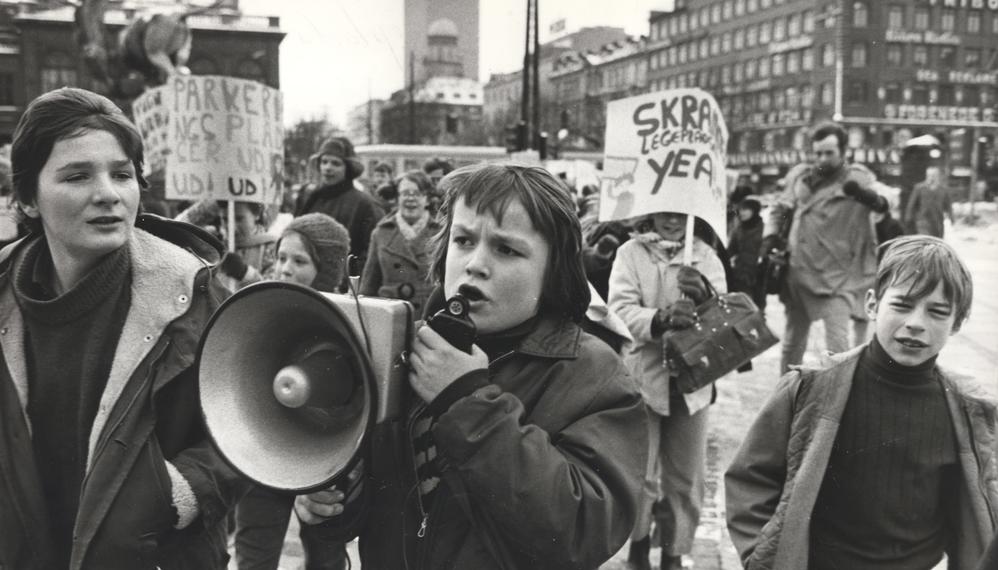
(453, 323)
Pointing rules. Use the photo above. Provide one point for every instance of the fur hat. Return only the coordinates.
(342, 148)
(328, 243)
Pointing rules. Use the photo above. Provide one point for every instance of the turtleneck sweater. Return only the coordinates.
(70, 341)
(884, 499)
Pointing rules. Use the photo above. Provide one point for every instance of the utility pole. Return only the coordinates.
(535, 139)
(525, 100)
(412, 97)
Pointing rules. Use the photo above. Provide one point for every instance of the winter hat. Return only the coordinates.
(342, 148)
(328, 243)
(751, 202)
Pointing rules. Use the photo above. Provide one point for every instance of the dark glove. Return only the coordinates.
(771, 242)
(679, 315)
(866, 197)
(234, 266)
(607, 244)
(692, 285)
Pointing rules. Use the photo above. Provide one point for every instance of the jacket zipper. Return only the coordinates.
(424, 516)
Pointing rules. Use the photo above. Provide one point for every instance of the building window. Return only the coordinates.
(739, 38)
(704, 17)
(780, 100)
(751, 68)
(726, 42)
(895, 17)
(945, 96)
(793, 62)
(793, 25)
(921, 18)
(764, 101)
(860, 15)
(779, 30)
(682, 53)
(726, 74)
(694, 20)
(764, 33)
(858, 58)
(948, 20)
(715, 45)
(972, 95)
(778, 65)
(684, 23)
(895, 55)
(715, 13)
(727, 9)
(920, 95)
(807, 96)
(57, 71)
(807, 60)
(739, 7)
(753, 6)
(994, 23)
(827, 94)
(673, 26)
(827, 55)
(857, 92)
(947, 57)
(974, 23)
(764, 67)
(752, 35)
(6, 89)
(739, 71)
(808, 22)
(704, 48)
(971, 58)
(892, 93)
(920, 55)
(765, 3)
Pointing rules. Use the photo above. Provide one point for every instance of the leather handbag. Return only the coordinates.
(729, 331)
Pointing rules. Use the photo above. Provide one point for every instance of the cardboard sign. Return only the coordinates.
(152, 117)
(665, 152)
(226, 140)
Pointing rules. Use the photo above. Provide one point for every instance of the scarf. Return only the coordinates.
(412, 231)
(661, 249)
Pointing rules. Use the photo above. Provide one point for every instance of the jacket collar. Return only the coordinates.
(162, 287)
(552, 338)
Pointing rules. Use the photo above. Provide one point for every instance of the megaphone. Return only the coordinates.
(291, 380)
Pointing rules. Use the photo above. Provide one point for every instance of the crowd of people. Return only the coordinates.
(560, 434)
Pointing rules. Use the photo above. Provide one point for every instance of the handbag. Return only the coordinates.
(729, 331)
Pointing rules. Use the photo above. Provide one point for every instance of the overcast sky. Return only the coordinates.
(337, 51)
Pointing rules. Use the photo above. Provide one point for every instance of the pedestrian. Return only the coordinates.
(929, 204)
(831, 242)
(398, 263)
(382, 174)
(253, 257)
(338, 166)
(529, 451)
(743, 249)
(104, 459)
(436, 169)
(879, 459)
(654, 292)
(312, 252)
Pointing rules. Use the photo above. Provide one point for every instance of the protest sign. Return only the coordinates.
(665, 151)
(152, 117)
(226, 140)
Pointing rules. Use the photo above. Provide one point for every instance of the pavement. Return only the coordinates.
(972, 352)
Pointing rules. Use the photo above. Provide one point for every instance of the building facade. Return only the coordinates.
(364, 122)
(440, 111)
(441, 39)
(887, 70)
(38, 49)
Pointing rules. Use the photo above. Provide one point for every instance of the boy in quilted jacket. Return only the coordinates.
(880, 460)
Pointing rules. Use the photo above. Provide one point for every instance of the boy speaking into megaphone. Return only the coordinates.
(527, 450)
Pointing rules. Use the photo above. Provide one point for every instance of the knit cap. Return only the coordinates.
(342, 148)
(328, 242)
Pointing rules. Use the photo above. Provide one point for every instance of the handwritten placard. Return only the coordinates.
(226, 140)
(665, 152)
(152, 117)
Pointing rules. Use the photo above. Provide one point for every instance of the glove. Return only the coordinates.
(868, 198)
(692, 285)
(234, 266)
(607, 244)
(771, 242)
(679, 315)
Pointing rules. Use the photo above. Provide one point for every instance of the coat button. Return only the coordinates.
(182, 298)
(147, 338)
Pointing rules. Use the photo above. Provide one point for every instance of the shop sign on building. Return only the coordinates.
(955, 76)
(939, 113)
(791, 44)
(975, 4)
(926, 37)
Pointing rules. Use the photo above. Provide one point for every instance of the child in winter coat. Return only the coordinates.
(527, 452)
(743, 247)
(880, 459)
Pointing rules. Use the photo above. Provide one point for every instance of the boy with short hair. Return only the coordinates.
(880, 460)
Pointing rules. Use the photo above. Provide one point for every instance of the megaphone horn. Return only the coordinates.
(288, 392)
